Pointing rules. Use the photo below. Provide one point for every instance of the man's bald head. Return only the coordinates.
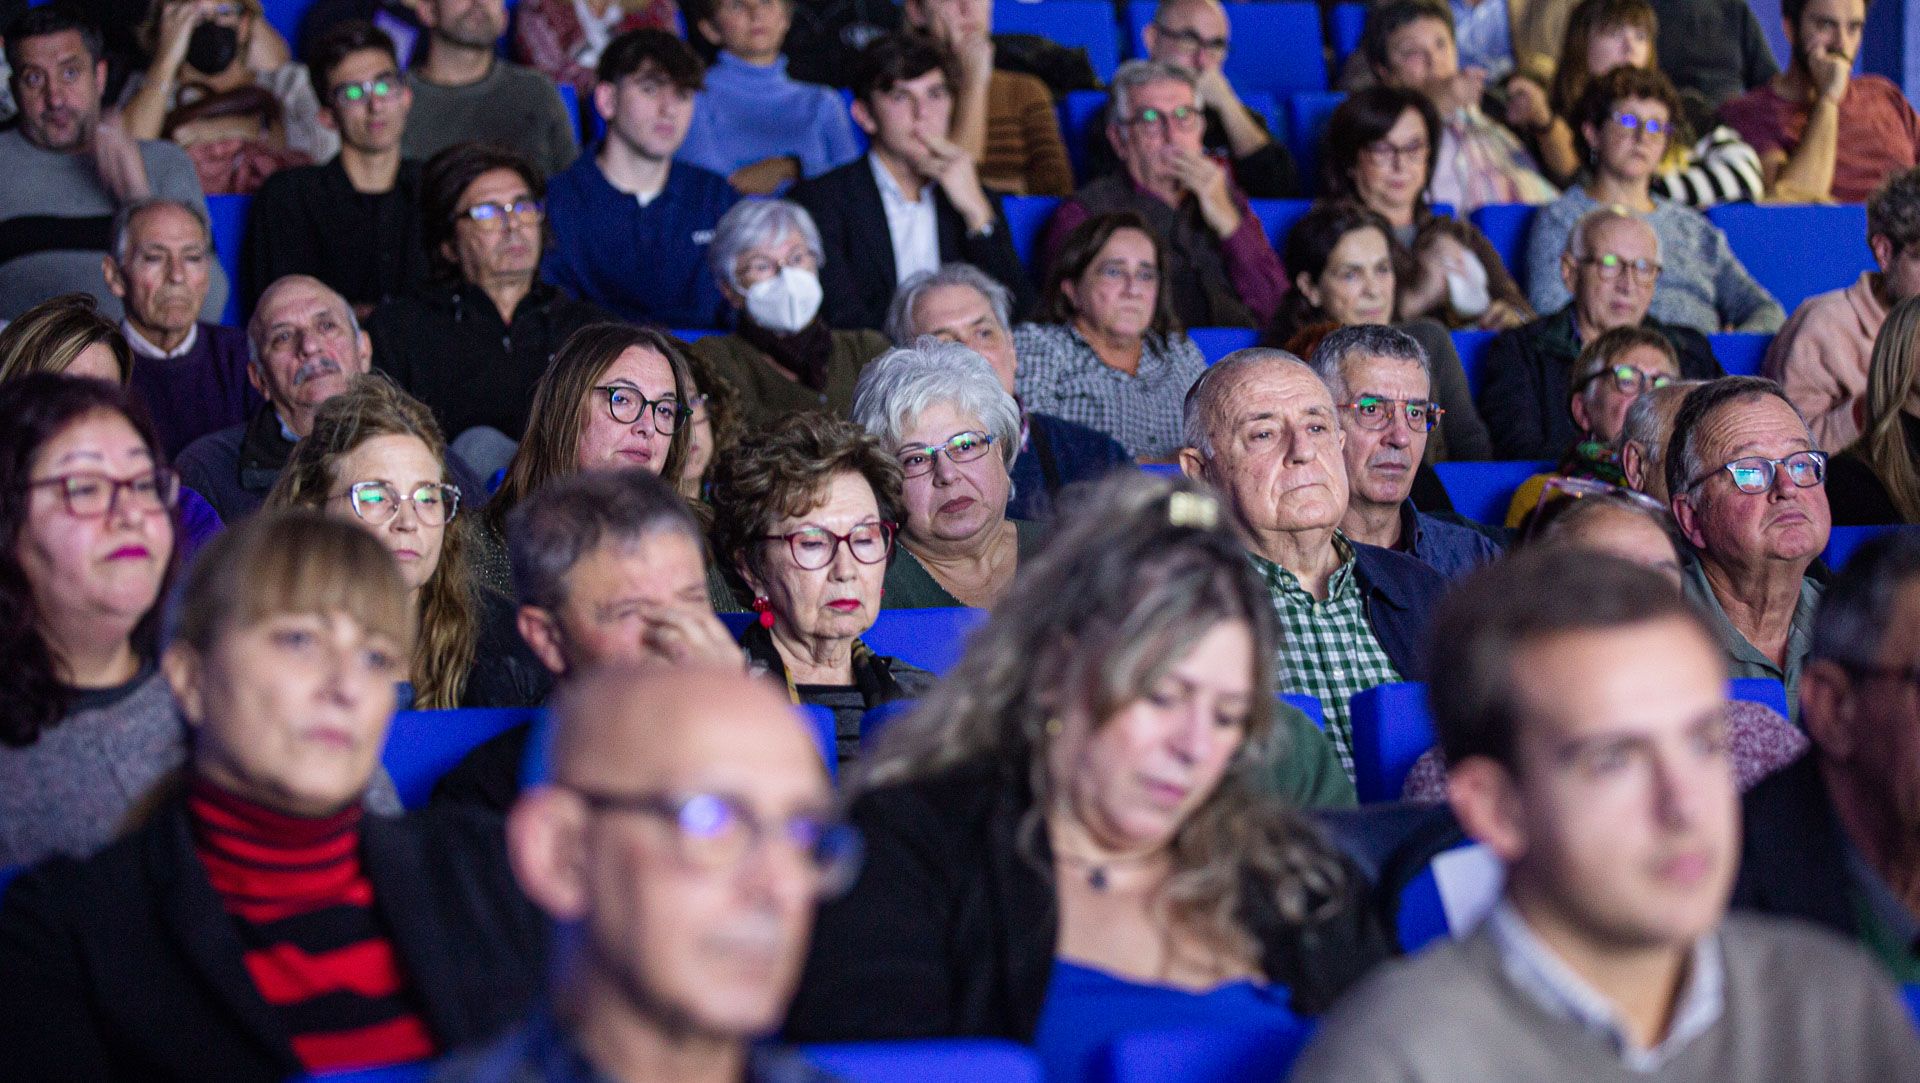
(1201, 418)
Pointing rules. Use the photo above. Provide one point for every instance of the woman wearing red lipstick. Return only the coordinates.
(807, 513)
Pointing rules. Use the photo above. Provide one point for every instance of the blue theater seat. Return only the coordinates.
(1346, 23)
(423, 745)
(1472, 348)
(228, 217)
(1911, 993)
(399, 1073)
(1307, 115)
(820, 723)
(1217, 342)
(285, 16)
(1086, 24)
(1798, 250)
(944, 1061)
(1845, 539)
(1307, 705)
(1203, 1054)
(1762, 690)
(1506, 226)
(1391, 729)
(1481, 491)
(1077, 111)
(1277, 217)
(1027, 218)
(1740, 354)
(932, 639)
(1276, 47)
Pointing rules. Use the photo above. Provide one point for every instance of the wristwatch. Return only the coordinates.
(982, 233)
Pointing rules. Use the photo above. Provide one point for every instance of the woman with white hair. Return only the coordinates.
(782, 356)
(938, 408)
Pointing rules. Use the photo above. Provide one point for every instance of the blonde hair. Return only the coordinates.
(1891, 378)
(374, 406)
(53, 334)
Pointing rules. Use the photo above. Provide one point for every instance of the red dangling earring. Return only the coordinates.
(761, 607)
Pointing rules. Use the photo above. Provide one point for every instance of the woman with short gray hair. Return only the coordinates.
(782, 356)
(939, 409)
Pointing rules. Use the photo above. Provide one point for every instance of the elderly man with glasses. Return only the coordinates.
(1611, 264)
(1747, 480)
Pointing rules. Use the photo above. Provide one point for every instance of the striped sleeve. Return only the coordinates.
(1721, 169)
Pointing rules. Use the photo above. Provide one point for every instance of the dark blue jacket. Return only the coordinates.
(1400, 595)
(1450, 548)
(645, 264)
(1058, 453)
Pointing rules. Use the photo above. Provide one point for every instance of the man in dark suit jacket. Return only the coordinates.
(912, 203)
(1831, 838)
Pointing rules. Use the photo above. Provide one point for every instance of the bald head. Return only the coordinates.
(1202, 417)
(306, 347)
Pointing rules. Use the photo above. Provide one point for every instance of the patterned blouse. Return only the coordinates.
(1061, 375)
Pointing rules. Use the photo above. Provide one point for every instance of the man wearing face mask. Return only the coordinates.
(782, 355)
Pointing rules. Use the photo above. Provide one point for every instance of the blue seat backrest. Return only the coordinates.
(932, 639)
(1027, 218)
(1347, 22)
(1421, 918)
(1276, 47)
(1740, 354)
(1203, 1054)
(228, 217)
(1912, 995)
(820, 724)
(570, 97)
(1481, 491)
(1085, 24)
(285, 16)
(423, 745)
(537, 768)
(1391, 728)
(1077, 111)
(1845, 539)
(694, 334)
(1277, 217)
(1506, 226)
(1798, 250)
(1267, 107)
(1307, 115)
(962, 1060)
(399, 1073)
(1217, 342)
(1472, 348)
(1762, 690)
(1308, 705)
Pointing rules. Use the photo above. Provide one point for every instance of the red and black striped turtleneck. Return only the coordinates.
(315, 947)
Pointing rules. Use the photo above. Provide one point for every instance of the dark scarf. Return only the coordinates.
(805, 353)
(872, 676)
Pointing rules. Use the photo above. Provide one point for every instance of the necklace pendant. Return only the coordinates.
(1097, 878)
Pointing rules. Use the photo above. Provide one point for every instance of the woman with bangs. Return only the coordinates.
(259, 926)
(1065, 841)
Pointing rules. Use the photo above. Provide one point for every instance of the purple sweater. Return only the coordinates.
(200, 391)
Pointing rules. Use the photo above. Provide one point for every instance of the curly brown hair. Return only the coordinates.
(1081, 247)
(784, 473)
(1597, 101)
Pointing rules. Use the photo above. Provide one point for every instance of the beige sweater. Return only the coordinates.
(1821, 359)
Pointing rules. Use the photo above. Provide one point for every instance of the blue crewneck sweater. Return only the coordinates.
(749, 112)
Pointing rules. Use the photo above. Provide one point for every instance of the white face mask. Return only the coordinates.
(1467, 289)
(786, 302)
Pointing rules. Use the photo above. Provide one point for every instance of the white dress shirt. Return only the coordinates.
(911, 224)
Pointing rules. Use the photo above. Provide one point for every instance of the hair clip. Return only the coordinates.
(1197, 510)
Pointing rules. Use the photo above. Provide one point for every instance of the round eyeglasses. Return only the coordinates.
(962, 447)
(1629, 380)
(813, 547)
(377, 502)
(719, 832)
(378, 88)
(1181, 118)
(1611, 267)
(95, 496)
(1756, 473)
(1375, 413)
(492, 217)
(626, 404)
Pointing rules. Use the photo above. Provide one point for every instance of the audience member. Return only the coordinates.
(679, 935)
(1382, 386)
(960, 303)
(713, 428)
(1624, 119)
(914, 202)
(376, 458)
(1828, 839)
(354, 222)
(472, 345)
(463, 92)
(238, 122)
(1345, 266)
(1003, 119)
(1382, 143)
(752, 122)
(827, 37)
(1410, 44)
(1876, 480)
(1644, 434)
(1194, 35)
(1821, 356)
(191, 374)
(1714, 48)
(565, 41)
(609, 566)
(68, 169)
(303, 346)
(1220, 269)
(333, 933)
(1822, 133)
(87, 509)
(1263, 431)
(1065, 842)
(1745, 484)
(1610, 265)
(663, 213)
(805, 513)
(1106, 350)
(783, 355)
(1581, 707)
(938, 408)
(398, 19)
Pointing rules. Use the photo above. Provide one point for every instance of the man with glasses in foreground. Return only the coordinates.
(1382, 387)
(1611, 264)
(680, 848)
(1746, 483)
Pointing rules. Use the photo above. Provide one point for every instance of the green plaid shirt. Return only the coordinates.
(1329, 650)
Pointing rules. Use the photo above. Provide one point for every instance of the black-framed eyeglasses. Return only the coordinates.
(378, 88)
(813, 547)
(1191, 39)
(1375, 413)
(719, 832)
(1634, 122)
(626, 404)
(962, 447)
(1611, 267)
(1180, 117)
(93, 496)
(1381, 152)
(493, 216)
(1755, 474)
(1629, 380)
(376, 502)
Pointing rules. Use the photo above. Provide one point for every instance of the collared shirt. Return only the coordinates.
(1743, 658)
(1887, 928)
(147, 349)
(1449, 548)
(1483, 35)
(912, 224)
(1060, 374)
(1541, 977)
(1328, 649)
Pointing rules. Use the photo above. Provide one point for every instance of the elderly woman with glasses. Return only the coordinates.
(806, 514)
(1623, 122)
(1065, 841)
(939, 410)
(782, 356)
